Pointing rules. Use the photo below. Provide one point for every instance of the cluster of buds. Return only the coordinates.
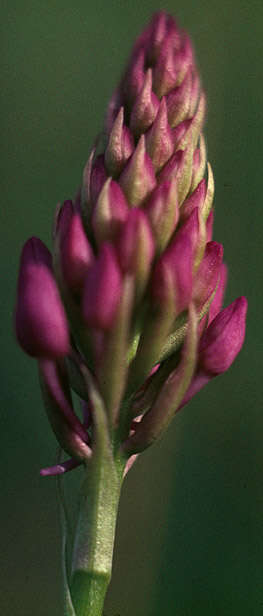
(132, 294)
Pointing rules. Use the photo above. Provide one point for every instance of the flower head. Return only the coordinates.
(137, 282)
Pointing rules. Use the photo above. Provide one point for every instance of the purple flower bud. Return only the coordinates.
(135, 77)
(163, 213)
(75, 253)
(120, 146)
(172, 63)
(164, 74)
(178, 260)
(208, 273)
(110, 212)
(169, 171)
(145, 107)
(136, 248)
(223, 338)
(178, 102)
(41, 324)
(102, 290)
(98, 177)
(161, 26)
(221, 342)
(194, 126)
(184, 58)
(180, 167)
(137, 179)
(159, 138)
(179, 132)
(192, 228)
(217, 302)
(195, 200)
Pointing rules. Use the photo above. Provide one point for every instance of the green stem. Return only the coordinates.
(93, 550)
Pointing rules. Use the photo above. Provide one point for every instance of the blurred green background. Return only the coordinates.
(190, 532)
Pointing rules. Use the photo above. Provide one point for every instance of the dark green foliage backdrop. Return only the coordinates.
(190, 535)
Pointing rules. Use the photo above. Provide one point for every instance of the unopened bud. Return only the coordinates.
(120, 146)
(41, 324)
(110, 212)
(145, 107)
(138, 179)
(102, 290)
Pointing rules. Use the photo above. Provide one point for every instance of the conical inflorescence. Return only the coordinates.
(134, 286)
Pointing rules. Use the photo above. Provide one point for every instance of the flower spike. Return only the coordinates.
(127, 311)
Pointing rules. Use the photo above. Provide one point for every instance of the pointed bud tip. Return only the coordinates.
(224, 338)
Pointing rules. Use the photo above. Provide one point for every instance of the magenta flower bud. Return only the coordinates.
(178, 102)
(217, 301)
(221, 342)
(223, 338)
(160, 26)
(145, 107)
(98, 177)
(178, 260)
(137, 179)
(120, 146)
(134, 80)
(180, 167)
(163, 213)
(195, 200)
(179, 132)
(174, 58)
(136, 248)
(110, 212)
(184, 58)
(169, 171)
(41, 324)
(208, 273)
(194, 127)
(159, 138)
(102, 290)
(164, 74)
(75, 253)
(192, 228)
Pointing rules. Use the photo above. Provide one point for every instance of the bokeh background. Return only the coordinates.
(190, 530)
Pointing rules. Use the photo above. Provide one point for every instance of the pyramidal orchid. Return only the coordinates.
(127, 309)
